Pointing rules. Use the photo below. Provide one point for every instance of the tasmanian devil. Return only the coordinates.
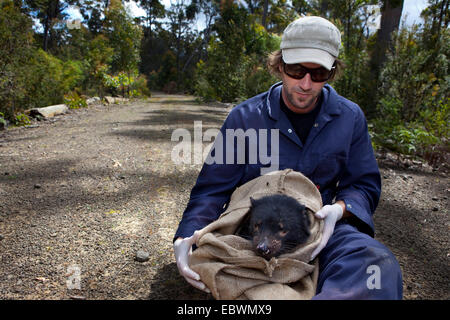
(275, 224)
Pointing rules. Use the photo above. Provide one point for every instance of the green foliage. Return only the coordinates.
(222, 76)
(409, 76)
(31, 77)
(51, 14)
(128, 85)
(21, 120)
(437, 121)
(414, 105)
(72, 75)
(2, 120)
(411, 139)
(389, 108)
(74, 101)
(356, 82)
(427, 134)
(167, 71)
(111, 82)
(139, 87)
(49, 78)
(235, 68)
(280, 15)
(16, 38)
(124, 37)
(257, 79)
(98, 58)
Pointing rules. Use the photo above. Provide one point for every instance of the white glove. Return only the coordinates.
(331, 214)
(183, 249)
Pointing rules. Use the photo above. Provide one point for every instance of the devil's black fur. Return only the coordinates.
(276, 224)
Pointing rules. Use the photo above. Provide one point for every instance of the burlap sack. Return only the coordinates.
(230, 268)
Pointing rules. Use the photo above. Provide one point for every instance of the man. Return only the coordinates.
(322, 135)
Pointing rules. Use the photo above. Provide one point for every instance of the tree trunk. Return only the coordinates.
(391, 13)
(444, 9)
(46, 29)
(51, 13)
(264, 16)
(324, 8)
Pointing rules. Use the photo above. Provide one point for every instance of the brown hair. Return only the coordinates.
(275, 59)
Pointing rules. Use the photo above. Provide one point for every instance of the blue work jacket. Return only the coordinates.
(337, 156)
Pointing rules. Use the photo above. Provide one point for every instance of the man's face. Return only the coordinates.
(301, 95)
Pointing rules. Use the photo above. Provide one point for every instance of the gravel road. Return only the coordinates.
(90, 201)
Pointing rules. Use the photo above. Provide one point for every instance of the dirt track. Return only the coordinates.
(80, 195)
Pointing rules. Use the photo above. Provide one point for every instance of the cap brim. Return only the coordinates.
(305, 55)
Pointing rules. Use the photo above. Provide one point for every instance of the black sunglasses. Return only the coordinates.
(297, 71)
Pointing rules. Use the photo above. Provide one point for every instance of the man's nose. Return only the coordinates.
(306, 82)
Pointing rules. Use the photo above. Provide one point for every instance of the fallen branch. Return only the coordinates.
(50, 111)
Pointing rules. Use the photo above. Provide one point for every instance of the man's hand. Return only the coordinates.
(331, 214)
(183, 249)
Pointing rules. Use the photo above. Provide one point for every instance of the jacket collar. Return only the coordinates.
(329, 102)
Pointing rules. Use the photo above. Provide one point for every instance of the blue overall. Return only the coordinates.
(337, 156)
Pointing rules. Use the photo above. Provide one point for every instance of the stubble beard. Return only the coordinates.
(299, 104)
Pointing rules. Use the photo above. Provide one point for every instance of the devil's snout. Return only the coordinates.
(263, 248)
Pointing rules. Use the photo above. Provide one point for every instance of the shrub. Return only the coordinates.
(45, 82)
(3, 122)
(139, 87)
(49, 78)
(111, 83)
(72, 75)
(258, 80)
(74, 101)
(22, 120)
(410, 139)
(16, 48)
(235, 68)
(127, 85)
(414, 75)
(414, 108)
(437, 121)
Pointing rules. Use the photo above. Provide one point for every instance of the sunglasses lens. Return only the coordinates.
(297, 71)
(320, 75)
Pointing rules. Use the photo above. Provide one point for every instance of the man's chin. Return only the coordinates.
(304, 106)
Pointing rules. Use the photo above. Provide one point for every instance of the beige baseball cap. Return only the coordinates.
(311, 39)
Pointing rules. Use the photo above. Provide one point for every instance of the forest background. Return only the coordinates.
(398, 74)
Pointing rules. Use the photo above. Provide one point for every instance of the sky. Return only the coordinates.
(410, 15)
(412, 10)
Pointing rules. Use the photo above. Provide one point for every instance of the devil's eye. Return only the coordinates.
(283, 233)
